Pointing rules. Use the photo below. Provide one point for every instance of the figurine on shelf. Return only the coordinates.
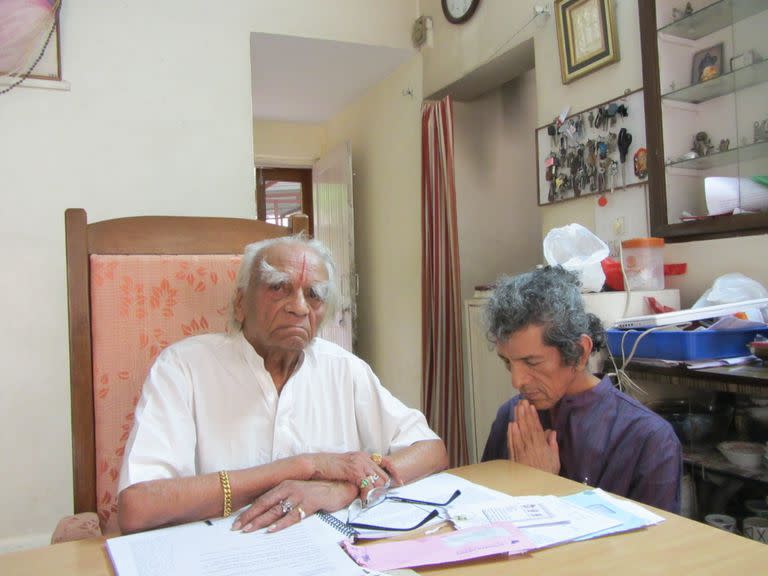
(678, 13)
(702, 145)
(761, 131)
(725, 143)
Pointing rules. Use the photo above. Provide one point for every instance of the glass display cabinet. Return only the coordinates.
(705, 74)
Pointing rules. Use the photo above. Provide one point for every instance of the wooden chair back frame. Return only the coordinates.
(136, 235)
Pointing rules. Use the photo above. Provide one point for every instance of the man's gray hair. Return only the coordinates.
(548, 297)
(253, 263)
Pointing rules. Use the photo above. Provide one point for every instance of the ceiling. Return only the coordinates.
(295, 79)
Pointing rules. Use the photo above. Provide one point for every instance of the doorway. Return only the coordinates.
(281, 192)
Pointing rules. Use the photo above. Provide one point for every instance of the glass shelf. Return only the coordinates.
(725, 84)
(740, 154)
(712, 18)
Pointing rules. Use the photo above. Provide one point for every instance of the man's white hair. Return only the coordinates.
(255, 268)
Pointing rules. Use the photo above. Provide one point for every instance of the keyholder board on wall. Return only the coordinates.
(595, 151)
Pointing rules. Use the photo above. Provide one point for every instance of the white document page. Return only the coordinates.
(546, 520)
(198, 549)
(581, 523)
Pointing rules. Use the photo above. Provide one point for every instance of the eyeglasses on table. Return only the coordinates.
(379, 495)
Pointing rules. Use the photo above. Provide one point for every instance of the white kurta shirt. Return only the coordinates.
(209, 404)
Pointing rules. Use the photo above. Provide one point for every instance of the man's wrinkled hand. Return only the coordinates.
(291, 501)
(357, 468)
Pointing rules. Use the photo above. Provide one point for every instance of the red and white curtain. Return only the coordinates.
(442, 364)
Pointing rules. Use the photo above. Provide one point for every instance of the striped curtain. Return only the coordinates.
(442, 368)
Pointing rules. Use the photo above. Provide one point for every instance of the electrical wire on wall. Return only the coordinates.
(544, 10)
(22, 24)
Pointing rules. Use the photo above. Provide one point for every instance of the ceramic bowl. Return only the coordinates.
(757, 423)
(694, 422)
(743, 454)
(757, 507)
(759, 414)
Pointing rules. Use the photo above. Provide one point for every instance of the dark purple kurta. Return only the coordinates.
(608, 440)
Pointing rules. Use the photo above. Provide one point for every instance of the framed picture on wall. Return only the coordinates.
(29, 39)
(586, 36)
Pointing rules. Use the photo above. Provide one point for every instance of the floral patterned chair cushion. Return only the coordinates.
(140, 305)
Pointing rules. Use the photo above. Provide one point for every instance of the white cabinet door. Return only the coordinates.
(489, 383)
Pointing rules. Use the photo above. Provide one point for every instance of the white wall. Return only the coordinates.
(158, 121)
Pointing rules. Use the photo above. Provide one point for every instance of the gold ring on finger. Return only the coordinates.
(301, 512)
(376, 457)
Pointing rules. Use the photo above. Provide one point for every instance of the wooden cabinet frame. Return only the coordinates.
(713, 227)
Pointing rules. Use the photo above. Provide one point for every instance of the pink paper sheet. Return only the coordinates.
(457, 546)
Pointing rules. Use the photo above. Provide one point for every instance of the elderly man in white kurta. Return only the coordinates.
(268, 416)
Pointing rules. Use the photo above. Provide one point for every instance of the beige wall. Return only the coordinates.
(156, 122)
(287, 143)
(384, 128)
(708, 259)
(459, 49)
(498, 219)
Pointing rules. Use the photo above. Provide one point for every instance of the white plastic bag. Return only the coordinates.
(735, 287)
(576, 249)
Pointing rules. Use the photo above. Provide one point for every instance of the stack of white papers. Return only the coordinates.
(549, 520)
(202, 549)
(630, 515)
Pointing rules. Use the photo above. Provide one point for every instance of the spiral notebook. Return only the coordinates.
(339, 525)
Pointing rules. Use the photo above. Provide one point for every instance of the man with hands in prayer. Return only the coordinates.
(566, 420)
(268, 416)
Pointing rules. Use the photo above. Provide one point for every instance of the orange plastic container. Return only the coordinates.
(644, 263)
(614, 280)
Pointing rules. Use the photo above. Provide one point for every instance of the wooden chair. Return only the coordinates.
(134, 286)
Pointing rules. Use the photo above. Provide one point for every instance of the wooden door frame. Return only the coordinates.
(301, 176)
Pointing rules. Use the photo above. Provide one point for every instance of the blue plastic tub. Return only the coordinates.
(684, 345)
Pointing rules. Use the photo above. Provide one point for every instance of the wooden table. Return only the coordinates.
(678, 545)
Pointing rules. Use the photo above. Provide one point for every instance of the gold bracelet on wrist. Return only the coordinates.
(227, 489)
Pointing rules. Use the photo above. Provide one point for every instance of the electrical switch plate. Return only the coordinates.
(624, 216)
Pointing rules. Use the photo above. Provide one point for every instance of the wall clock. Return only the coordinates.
(459, 11)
